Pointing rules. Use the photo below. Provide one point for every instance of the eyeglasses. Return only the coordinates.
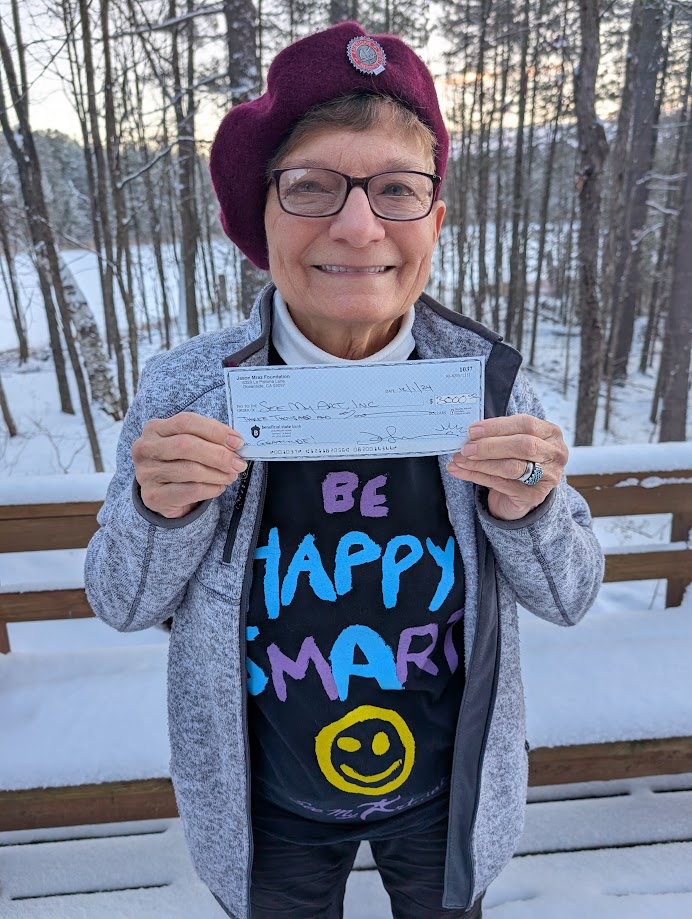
(305, 191)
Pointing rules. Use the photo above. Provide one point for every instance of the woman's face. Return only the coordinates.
(302, 250)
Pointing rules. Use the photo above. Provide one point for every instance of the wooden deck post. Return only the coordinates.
(679, 532)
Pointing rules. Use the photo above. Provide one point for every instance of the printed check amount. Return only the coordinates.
(331, 411)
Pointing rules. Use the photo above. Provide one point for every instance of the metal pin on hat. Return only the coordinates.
(366, 55)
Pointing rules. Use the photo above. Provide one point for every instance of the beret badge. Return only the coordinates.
(366, 55)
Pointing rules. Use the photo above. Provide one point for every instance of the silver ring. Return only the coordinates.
(527, 473)
(535, 476)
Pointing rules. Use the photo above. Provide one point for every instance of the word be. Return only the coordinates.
(338, 489)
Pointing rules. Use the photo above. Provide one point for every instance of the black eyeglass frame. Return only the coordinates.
(356, 182)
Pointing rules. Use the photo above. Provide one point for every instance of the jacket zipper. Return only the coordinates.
(236, 514)
(244, 599)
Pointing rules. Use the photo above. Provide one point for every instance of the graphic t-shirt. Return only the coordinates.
(354, 644)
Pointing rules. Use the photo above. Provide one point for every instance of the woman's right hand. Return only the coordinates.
(185, 459)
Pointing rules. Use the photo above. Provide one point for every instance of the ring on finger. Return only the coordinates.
(532, 474)
(527, 473)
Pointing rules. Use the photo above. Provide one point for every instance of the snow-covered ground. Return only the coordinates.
(609, 850)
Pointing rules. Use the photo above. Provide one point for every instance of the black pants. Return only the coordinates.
(294, 881)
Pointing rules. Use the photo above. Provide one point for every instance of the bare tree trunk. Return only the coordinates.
(514, 292)
(101, 218)
(545, 204)
(462, 178)
(153, 209)
(244, 81)
(6, 413)
(461, 185)
(222, 297)
(651, 317)
(648, 64)
(342, 11)
(171, 205)
(140, 275)
(9, 280)
(566, 298)
(122, 247)
(593, 148)
(241, 44)
(483, 166)
(679, 321)
(613, 262)
(499, 200)
(661, 271)
(185, 127)
(207, 239)
(528, 192)
(21, 144)
(28, 179)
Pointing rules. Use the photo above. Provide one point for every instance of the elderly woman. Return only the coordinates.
(314, 704)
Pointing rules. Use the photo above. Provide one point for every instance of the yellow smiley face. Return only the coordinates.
(369, 732)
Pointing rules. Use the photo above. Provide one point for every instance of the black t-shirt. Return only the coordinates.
(355, 649)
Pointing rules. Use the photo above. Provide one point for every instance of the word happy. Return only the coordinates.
(330, 579)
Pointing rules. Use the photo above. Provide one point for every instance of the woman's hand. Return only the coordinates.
(185, 459)
(496, 455)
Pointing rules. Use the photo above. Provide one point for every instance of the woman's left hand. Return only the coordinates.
(496, 455)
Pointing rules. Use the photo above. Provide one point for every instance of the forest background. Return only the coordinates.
(569, 187)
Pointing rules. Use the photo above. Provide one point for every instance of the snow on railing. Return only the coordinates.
(60, 489)
(54, 489)
(629, 458)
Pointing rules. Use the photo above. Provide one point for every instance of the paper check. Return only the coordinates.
(327, 411)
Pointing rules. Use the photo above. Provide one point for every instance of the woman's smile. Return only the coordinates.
(354, 270)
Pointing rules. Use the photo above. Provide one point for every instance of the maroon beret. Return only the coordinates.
(310, 72)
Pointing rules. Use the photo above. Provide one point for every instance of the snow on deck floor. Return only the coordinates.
(630, 858)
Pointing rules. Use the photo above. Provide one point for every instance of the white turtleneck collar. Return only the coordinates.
(295, 348)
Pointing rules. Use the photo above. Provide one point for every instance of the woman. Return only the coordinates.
(345, 632)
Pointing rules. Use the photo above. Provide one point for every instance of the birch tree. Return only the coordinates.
(101, 385)
(23, 148)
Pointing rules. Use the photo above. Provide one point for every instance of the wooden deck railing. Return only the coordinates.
(32, 527)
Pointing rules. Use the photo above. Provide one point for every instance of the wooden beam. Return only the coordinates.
(41, 605)
(650, 565)
(619, 502)
(4, 639)
(153, 799)
(680, 528)
(623, 759)
(110, 802)
(68, 509)
(39, 533)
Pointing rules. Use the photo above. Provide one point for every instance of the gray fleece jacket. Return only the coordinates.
(142, 568)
